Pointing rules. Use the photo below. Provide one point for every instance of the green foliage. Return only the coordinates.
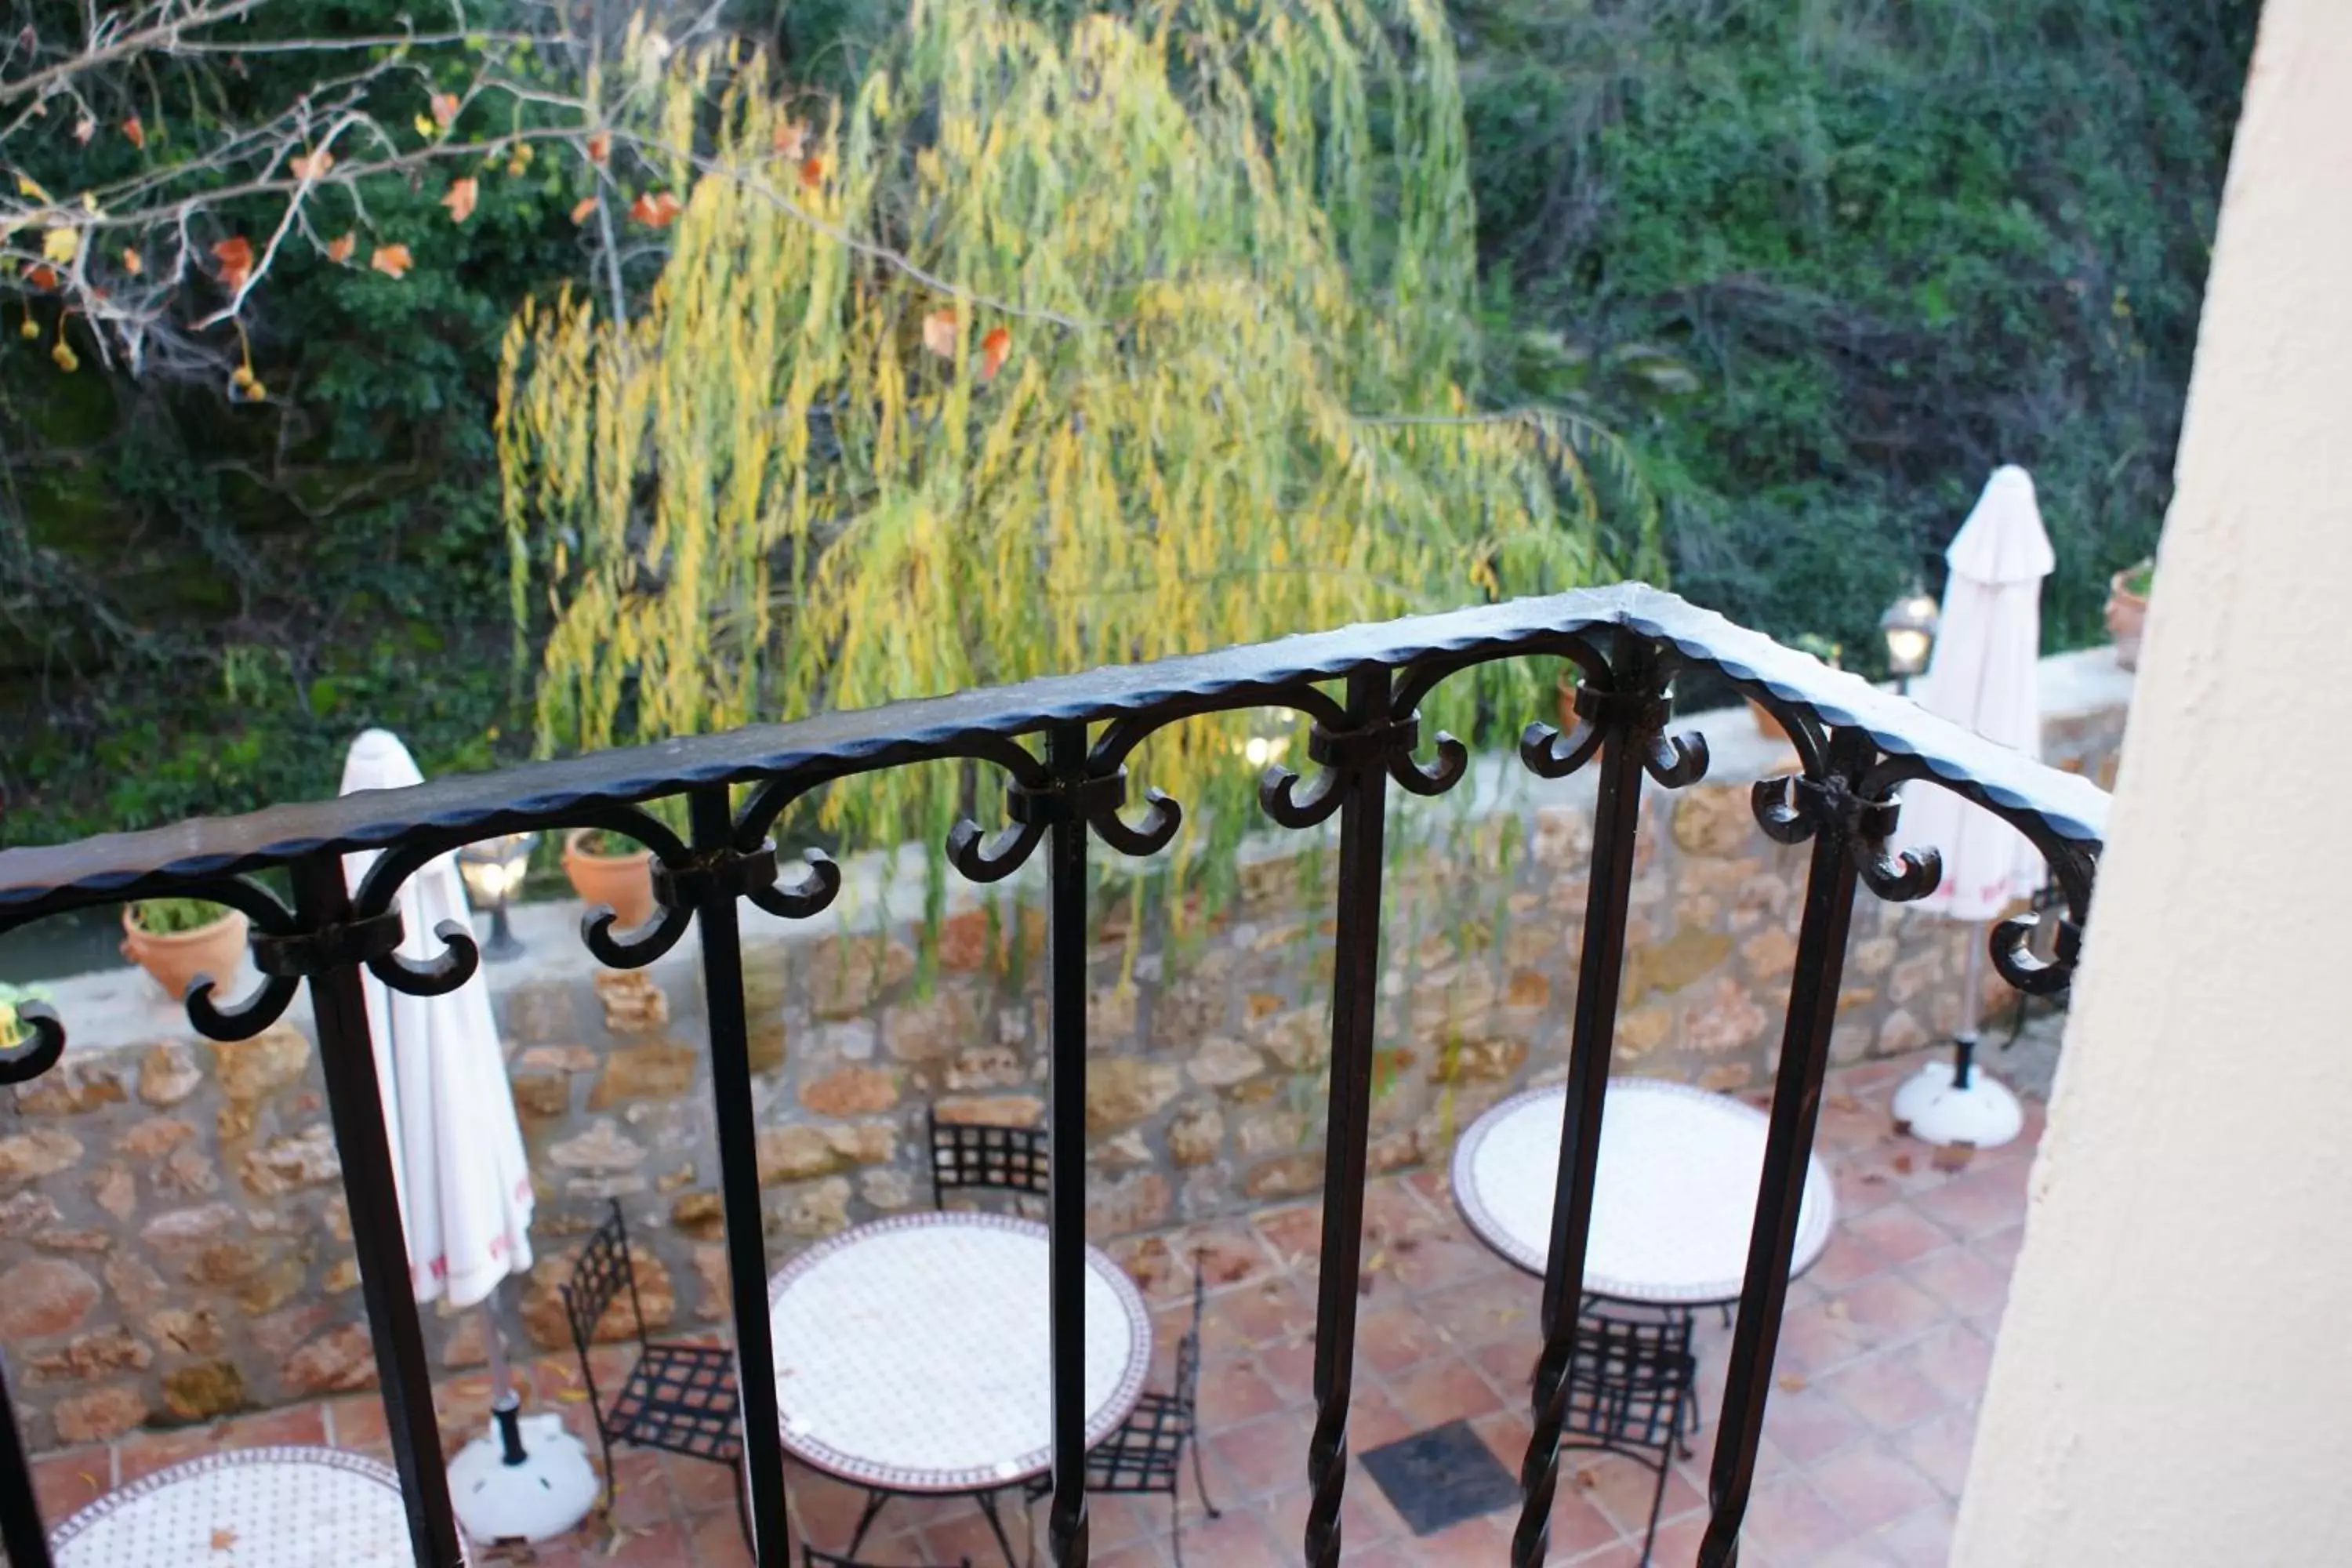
(1898, 244)
(174, 917)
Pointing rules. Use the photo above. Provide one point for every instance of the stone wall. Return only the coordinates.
(173, 1242)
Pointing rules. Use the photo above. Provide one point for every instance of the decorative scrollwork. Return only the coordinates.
(806, 895)
(1776, 813)
(460, 957)
(2074, 865)
(1279, 797)
(30, 1058)
(982, 856)
(268, 1004)
(1792, 810)
(1453, 762)
(1162, 817)
(640, 946)
(1674, 760)
(1550, 754)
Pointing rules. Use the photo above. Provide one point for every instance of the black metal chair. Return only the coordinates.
(1146, 1454)
(1631, 1391)
(813, 1558)
(677, 1397)
(984, 1156)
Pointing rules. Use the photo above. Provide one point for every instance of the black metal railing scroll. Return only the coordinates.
(1361, 689)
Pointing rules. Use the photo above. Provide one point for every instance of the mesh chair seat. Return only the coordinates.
(682, 1398)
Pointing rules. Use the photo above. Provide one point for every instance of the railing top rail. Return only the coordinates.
(110, 867)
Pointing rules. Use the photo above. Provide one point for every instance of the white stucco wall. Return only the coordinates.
(2173, 1385)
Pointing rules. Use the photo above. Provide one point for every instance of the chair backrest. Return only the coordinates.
(1629, 1376)
(979, 1156)
(816, 1559)
(604, 1270)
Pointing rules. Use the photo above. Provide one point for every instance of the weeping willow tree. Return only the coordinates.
(1058, 343)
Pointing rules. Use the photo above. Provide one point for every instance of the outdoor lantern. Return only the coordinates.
(493, 870)
(1269, 738)
(1909, 627)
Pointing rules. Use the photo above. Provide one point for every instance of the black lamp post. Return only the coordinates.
(1909, 627)
(493, 870)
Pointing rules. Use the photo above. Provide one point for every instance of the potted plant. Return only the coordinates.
(175, 940)
(1821, 648)
(608, 868)
(2127, 592)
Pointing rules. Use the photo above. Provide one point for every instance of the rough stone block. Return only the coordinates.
(204, 1390)
(660, 1069)
(1123, 1090)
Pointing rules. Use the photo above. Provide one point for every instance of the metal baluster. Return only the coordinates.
(1355, 979)
(714, 893)
(1599, 969)
(355, 1104)
(1789, 1142)
(1068, 1525)
(21, 1534)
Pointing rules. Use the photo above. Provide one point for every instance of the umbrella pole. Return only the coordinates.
(506, 1406)
(1964, 1045)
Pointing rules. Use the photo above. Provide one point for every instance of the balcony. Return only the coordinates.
(1342, 1283)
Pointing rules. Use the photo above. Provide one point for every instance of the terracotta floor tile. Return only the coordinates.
(1258, 1457)
(66, 1483)
(1234, 1390)
(1791, 1522)
(1940, 1448)
(1807, 1424)
(1886, 1391)
(1953, 1357)
(1621, 1489)
(1979, 1203)
(1444, 1388)
(1899, 1232)
(1961, 1279)
(1393, 1338)
(1873, 1486)
(1890, 1309)
(1922, 1540)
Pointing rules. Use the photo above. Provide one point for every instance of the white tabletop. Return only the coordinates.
(912, 1354)
(1674, 1196)
(248, 1508)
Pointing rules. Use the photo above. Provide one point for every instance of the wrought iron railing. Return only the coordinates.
(1856, 746)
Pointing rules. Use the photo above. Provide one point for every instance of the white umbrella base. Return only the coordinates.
(1984, 1115)
(552, 1490)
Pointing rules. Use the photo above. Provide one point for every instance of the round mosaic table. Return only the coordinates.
(249, 1507)
(912, 1354)
(1674, 1196)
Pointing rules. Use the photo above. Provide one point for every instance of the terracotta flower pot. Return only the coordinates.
(2127, 615)
(1769, 726)
(623, 881)
(176, 958)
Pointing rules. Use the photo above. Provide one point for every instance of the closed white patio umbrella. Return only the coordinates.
(1985, 674)
(463, 1183)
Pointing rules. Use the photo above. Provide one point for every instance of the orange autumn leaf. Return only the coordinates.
(340, 248)
(42, 276)
(994, 349)
(313, 166)
(235, 254)
(940, 332)
(444, 108)
(463, 192)
(791, 140)
(811, 172)
(582, 208)
(136, 132)
(655, 211)
(391, 261)
(132, 262)
(600, 148)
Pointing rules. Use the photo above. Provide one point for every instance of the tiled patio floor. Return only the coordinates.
(1882, 1360)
